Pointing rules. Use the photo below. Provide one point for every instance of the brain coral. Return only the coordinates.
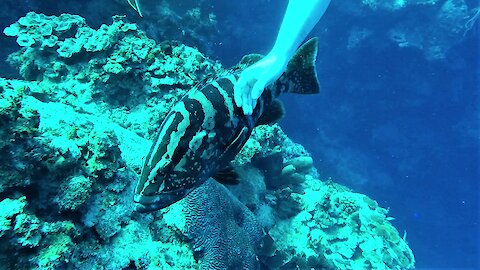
(222, 230)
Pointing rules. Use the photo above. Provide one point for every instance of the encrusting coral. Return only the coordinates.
(77, 128)
(348, 231)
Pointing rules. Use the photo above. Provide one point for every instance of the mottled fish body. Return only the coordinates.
(205, 130)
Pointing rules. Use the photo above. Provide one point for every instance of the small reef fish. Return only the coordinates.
(205, 130)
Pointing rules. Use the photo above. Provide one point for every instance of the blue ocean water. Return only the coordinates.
(394, 120)
(392, 123)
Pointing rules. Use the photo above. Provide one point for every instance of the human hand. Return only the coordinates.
(254, 79)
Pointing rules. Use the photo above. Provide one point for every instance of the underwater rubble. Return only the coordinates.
(76, 129)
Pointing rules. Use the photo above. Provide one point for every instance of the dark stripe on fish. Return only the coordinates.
(196, 116)
(218, 101)
(162, 148)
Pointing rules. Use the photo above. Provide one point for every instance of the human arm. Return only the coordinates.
(300, 18)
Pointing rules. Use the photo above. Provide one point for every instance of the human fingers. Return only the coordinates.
(258, 88)
(238, 89)
(253, 105)
(246, 103)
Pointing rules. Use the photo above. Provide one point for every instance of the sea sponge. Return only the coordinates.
(294, 170)
(74, 192)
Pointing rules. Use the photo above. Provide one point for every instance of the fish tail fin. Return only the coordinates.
(300, 76)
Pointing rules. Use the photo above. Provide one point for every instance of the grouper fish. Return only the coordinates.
(205, 130)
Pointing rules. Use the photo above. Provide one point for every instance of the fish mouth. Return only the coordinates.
(143, 199)
(142, 208)
(146, 204)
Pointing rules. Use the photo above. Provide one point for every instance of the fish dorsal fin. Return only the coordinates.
(272, 114)
(227, 176)
(251, 59)
(247, 61)
(301, 70)
(203, 82)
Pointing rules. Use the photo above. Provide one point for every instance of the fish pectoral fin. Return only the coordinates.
(234, 147)
(272, 114)
(227, 176)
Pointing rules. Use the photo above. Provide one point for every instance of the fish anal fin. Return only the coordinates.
(227, 176)
(272, 114)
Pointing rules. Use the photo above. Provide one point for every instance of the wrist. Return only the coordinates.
(278, 59)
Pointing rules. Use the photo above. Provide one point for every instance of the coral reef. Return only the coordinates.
(116, 64)
(193, 23)
(15, 221)
(338, 229)
(76, 130)
(68, 150)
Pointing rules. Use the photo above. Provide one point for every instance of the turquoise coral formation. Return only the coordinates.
(77, 128)
(348, 230)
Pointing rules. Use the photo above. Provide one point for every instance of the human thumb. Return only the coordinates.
(238, 89)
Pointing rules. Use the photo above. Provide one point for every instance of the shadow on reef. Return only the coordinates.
(73, 151)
